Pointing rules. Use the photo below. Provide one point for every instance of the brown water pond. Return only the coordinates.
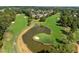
(35, 46)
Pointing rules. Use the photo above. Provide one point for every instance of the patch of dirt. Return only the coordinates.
(7, 36)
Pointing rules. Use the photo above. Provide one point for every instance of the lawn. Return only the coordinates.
(15, 28)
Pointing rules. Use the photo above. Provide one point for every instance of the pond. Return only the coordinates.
(35, 46)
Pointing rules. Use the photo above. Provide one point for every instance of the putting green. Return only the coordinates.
(43, 38)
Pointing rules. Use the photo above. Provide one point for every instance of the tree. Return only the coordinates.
(6, 17)
(70, 19)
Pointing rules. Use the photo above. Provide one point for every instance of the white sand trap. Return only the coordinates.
(36, 38)
(14, 43)
(75, 15)
(13, 22)
(9, 8)
(18, 14)
(25, 17)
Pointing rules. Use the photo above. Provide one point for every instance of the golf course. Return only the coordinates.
(38, 30)
(20, 24)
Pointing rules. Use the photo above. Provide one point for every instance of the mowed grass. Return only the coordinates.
(43, 38)
(21, 22)
(51, 22)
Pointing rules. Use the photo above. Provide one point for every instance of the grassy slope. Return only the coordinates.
(55, 30)
(16, 28)
(51, 23)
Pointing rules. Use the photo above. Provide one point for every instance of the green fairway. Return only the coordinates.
(19, 24)
(51, 22)
(55, 30)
